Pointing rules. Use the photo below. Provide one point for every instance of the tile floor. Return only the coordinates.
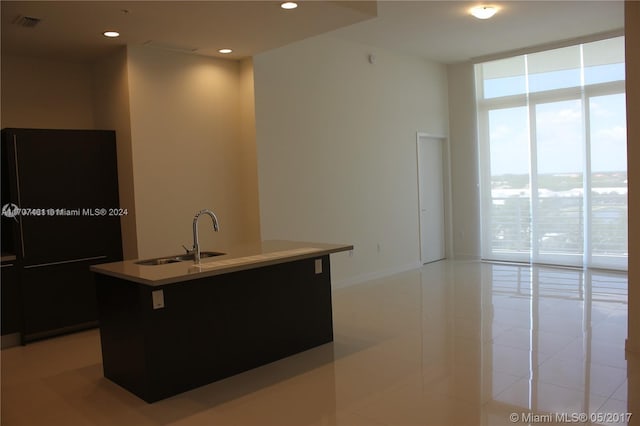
(454, 343)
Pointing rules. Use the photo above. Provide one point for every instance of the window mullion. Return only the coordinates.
(533, 177)
(587, 202)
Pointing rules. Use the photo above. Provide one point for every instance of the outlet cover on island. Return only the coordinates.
(157, 299)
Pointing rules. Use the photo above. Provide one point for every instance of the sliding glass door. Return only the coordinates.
(608, 183)
(558, 208)
(508, 218)
(552, 133)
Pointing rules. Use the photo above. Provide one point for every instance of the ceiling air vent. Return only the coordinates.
(167, 46)
(26, 21)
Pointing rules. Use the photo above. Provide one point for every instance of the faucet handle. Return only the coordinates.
(187, 250)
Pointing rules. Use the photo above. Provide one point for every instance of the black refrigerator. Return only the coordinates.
(60, 214)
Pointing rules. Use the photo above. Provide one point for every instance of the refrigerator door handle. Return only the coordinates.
(61, 262)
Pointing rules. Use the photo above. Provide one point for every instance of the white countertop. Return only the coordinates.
(241, 257)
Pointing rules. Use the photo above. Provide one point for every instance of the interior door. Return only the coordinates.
(431, 195)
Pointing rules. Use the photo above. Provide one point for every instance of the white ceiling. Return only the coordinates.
(73, 29)
(439, 30)
(445, 32)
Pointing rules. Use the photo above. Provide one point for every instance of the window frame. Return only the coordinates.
(530, 101)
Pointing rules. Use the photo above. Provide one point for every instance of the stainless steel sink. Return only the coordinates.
(176, 258)
(160, 261)
(203, 254)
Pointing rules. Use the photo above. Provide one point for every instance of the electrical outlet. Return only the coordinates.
(157, 298)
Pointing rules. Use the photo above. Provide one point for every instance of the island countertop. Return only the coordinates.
(237, 258)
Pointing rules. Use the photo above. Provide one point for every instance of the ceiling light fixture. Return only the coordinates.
(289, 5)
(225, 51)
(483, 11)
(111, 34)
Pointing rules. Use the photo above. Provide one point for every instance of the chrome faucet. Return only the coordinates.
(196, 244)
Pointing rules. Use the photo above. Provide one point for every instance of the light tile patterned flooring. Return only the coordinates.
(453, 343)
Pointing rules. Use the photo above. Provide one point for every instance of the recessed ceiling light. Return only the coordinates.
(225, 50)
(289, 5)
(483, 11)
(111, 34)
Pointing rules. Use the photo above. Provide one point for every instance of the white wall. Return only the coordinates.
(464, 161)
(38, 93)
(111, 106)
(187, 151)
(248, 158)
(336, 141)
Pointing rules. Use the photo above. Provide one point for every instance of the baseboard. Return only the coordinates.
(32, 337)
(10, 340)
(359, 279)
(465, 256)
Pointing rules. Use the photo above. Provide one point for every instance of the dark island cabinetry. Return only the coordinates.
(160, 340)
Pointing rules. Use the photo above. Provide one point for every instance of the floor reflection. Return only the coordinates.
(452, 343)
(558, 336)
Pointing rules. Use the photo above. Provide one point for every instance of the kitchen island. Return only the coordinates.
(169, 328)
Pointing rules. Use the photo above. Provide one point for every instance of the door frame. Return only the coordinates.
(447, 201)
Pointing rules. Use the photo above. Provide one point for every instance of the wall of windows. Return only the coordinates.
(552, 135)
